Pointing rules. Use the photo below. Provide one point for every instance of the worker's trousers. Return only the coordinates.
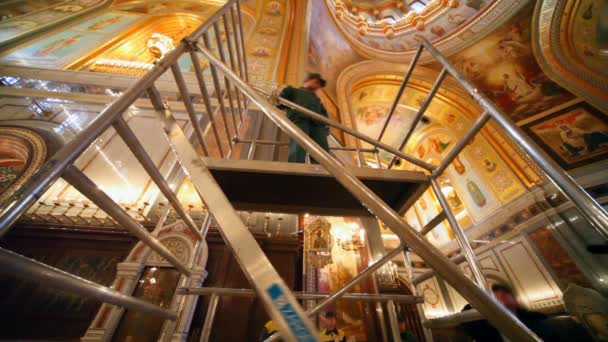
(318, 133)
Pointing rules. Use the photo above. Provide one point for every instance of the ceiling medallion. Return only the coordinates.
(390, 29)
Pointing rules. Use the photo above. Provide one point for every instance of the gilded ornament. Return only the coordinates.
(362, 26)
(273, 8)
(340, 9)
(318, 243)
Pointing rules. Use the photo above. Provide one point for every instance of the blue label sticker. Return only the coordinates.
(295, 322)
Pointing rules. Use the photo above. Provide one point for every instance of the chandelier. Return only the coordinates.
(121, 66)
(387, 276)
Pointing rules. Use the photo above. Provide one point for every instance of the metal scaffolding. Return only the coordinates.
(227, 61)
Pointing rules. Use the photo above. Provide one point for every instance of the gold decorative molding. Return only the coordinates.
(556, 39)
(450, 25)
(23, 148)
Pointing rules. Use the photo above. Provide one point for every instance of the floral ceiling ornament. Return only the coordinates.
(450, 24)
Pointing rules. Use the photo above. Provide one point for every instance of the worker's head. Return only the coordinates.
(505, 296)
(314, 82)
(330, 320)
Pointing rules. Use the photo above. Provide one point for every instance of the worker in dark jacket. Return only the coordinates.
(305, 96)
(483, 330)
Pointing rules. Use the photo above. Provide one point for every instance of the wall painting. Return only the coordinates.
(58, 50)
(12, 9)
(265, 45)
(575, 136)
(36, 19)
(503, 66)
(589, 34)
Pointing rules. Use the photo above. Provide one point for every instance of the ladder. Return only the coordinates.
(228, 63)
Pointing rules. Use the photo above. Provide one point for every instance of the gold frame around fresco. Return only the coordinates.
(86, 60)
(589, 109)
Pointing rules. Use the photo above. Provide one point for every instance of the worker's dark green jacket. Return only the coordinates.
(304, 98)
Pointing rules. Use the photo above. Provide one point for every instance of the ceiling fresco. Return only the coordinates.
(328, 53)
(58, 49)
(204, 8)
(134, 49)
(11, 9)
(574, 136)
(19, 18)
(265, 44)
(118, 39)
(503, 66)
(571, 44)
(450, 24)
(367, 89)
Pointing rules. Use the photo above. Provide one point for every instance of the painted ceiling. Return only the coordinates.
(328, 52)
(379, 30)
(503, 66)
(571, 44)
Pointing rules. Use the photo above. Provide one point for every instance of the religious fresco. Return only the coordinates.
(22, 24)
(476, 183)
(22, 152)
(111, 22)
(424, 210)
(503, 66)
(432, 22)
(328, 52)
(370, 106)
(377, 32)
(590, 27)
(58, 50)
(463, 183)
(264, 46)
(570, 41)
(200, 8)
(575, 136)
(136, 53)
(165, 7)
(12, 9)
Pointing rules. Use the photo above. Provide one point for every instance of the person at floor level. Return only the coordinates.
(269, 329)
(405, 333)
(305, 96)
(331, 332)
(483, 330)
